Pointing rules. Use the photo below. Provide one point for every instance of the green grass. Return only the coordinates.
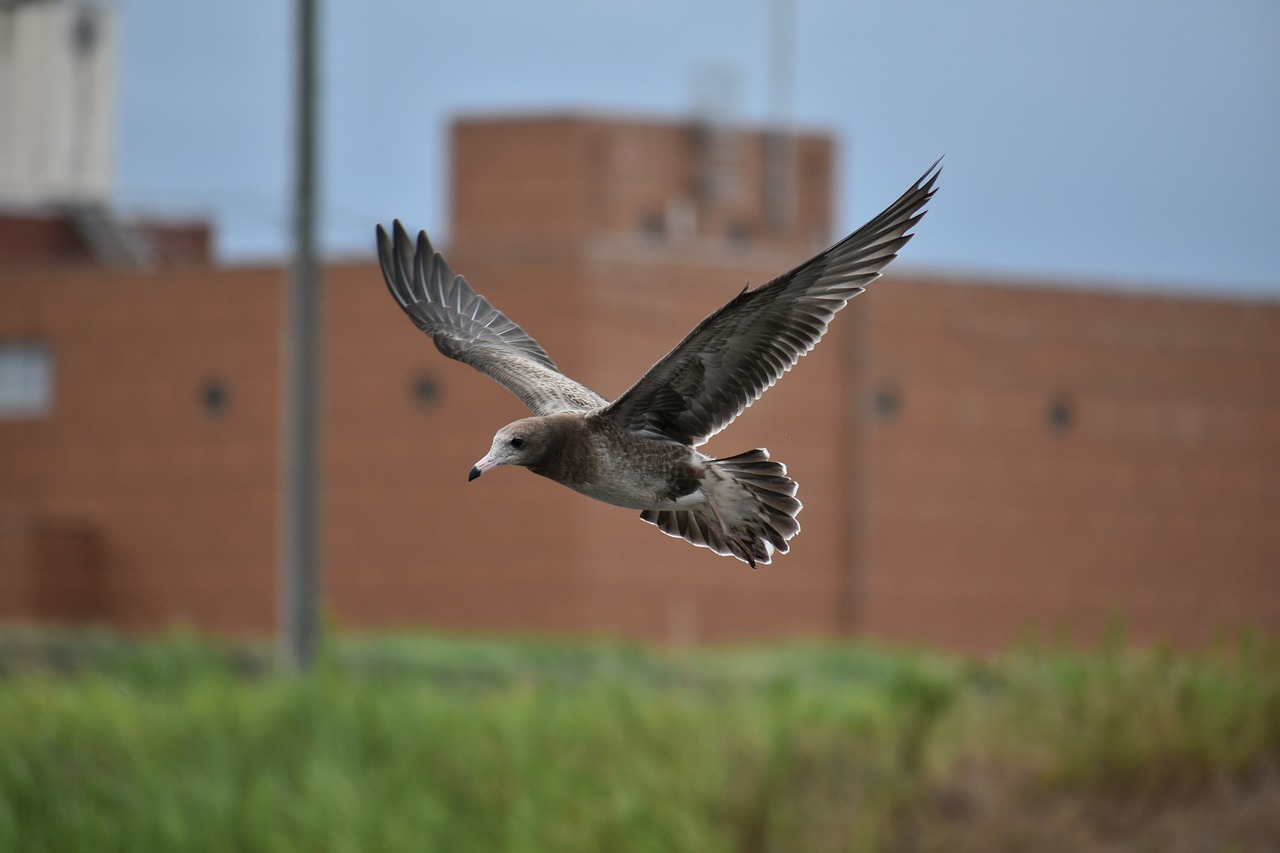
(430, 743)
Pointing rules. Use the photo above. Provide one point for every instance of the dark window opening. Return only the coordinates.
(739, 234)
(652, 224)
(1059, 415)
(426, 392)
(886, 403)
(84, 31)
(215, 398)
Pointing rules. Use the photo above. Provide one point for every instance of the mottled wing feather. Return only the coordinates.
(465, 327)
(738, 352)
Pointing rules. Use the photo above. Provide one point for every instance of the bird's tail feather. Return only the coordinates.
(751, 512)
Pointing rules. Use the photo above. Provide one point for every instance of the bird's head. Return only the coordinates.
(523, 442)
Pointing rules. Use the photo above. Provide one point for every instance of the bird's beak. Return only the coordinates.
(480, 467)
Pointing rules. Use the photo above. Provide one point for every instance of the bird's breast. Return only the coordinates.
(644, 474)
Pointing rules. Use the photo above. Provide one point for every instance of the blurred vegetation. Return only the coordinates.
(431, 743)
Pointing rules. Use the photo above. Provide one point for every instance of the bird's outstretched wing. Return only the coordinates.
(734, 355)
(465, 327)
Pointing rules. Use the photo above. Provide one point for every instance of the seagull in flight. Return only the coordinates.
(640, 451)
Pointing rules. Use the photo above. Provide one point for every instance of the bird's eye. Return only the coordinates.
(517, 443)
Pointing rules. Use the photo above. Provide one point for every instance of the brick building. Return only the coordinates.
(976, 459)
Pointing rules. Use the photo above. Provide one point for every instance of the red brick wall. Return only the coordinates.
(979, 521)
(1159, 503)
(570, 177)
(184, 503)
(52, 239)
(34, 239)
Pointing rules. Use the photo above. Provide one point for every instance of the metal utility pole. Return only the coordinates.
(300, 539)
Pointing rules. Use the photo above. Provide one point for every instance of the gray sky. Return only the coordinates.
(1127, 142)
